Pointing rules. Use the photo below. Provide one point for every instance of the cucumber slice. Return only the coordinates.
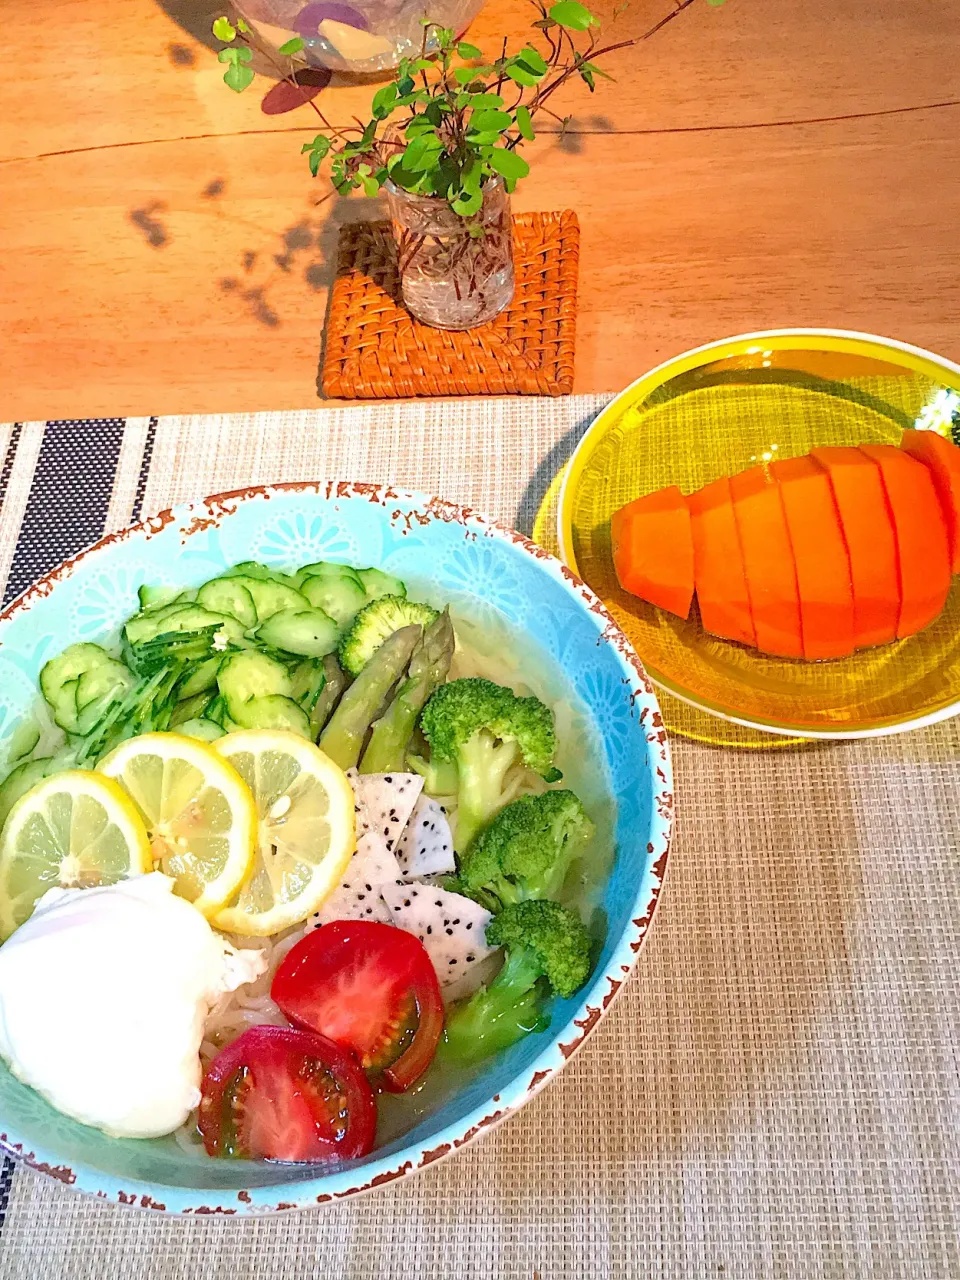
(376, 583)
(97, 690)
(181, 617)
(309, 632)
(204, 730)
(253, 569)
(275, 712)
(19, 781)
(156, 597)
(61, 678)
(23, 740)
(230, 596)
(190, 708)
(216, 709)
(71, 665)
(308, 681)
(327, 569)
(64, 706)
(201, 678)
(251, 675)
(271, 597)
(341, 598)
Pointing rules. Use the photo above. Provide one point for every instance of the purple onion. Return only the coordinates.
(309, 18)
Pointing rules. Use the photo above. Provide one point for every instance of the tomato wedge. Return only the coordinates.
(370, 987)
(277, 1093)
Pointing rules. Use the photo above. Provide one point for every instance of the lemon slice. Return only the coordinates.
(306, 835)
(199, 814)
(72, 831)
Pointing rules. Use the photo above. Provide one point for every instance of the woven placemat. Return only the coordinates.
(376, 350)
(775, 1092)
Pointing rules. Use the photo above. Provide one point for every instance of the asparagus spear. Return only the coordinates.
(333, 686)
(387, 749)
(342, 739)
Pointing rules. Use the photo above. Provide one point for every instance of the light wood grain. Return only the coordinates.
(139, 271)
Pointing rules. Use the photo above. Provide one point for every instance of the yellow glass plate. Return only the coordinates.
(716, 411)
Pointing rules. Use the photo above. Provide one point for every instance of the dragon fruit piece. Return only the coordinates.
(384, 803)
(451, 927)
(357, 896)
(426, 846)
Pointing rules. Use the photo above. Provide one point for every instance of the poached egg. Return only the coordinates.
(103, 997)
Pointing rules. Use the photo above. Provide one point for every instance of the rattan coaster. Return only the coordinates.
(376, 350)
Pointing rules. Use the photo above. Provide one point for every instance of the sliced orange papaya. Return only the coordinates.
(653, 550)
(820, 554)
(921, 533)
(871, 542)
(768, 563)
(718, 564)
(941, 457)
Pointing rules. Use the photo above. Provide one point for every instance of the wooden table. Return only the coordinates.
(770, 163)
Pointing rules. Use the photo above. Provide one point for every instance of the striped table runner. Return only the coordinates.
(776, 1092)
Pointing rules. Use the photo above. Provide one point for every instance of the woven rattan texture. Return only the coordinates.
(774, 1095)
(376, 350)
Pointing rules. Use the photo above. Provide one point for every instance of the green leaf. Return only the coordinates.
(422, 153)
(489, 121)
(405, 84)
(242, 27)
(465, 205)
(597, 71)
(244, 54)
(524, 124)
(321, 144)
(508, 163)
(404, 177)
(464, 75)
(224, 29)
(228, 55)
(238, 77)
(417, 125)
(532, 59)
(471, 175)
(469, 50)
(384, 101)
(371, 187)
(478, 100)
(573, 15)
(716, 3)
(291, 46)
(519, 73)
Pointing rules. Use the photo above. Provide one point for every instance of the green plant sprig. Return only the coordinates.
(442, 126)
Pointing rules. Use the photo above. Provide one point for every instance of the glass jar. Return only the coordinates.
(361, 37)
(455, 272)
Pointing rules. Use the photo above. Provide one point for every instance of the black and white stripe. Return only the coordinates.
(70, 495)
(8, 460)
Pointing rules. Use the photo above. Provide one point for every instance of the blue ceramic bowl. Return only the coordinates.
(517, 594)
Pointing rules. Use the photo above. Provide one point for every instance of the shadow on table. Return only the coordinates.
(306, 251)
(196, 18)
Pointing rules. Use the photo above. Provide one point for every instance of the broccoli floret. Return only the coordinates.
(547, 947)
(374, 623)
(484, 728)
(439, 776)
(526, 850)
